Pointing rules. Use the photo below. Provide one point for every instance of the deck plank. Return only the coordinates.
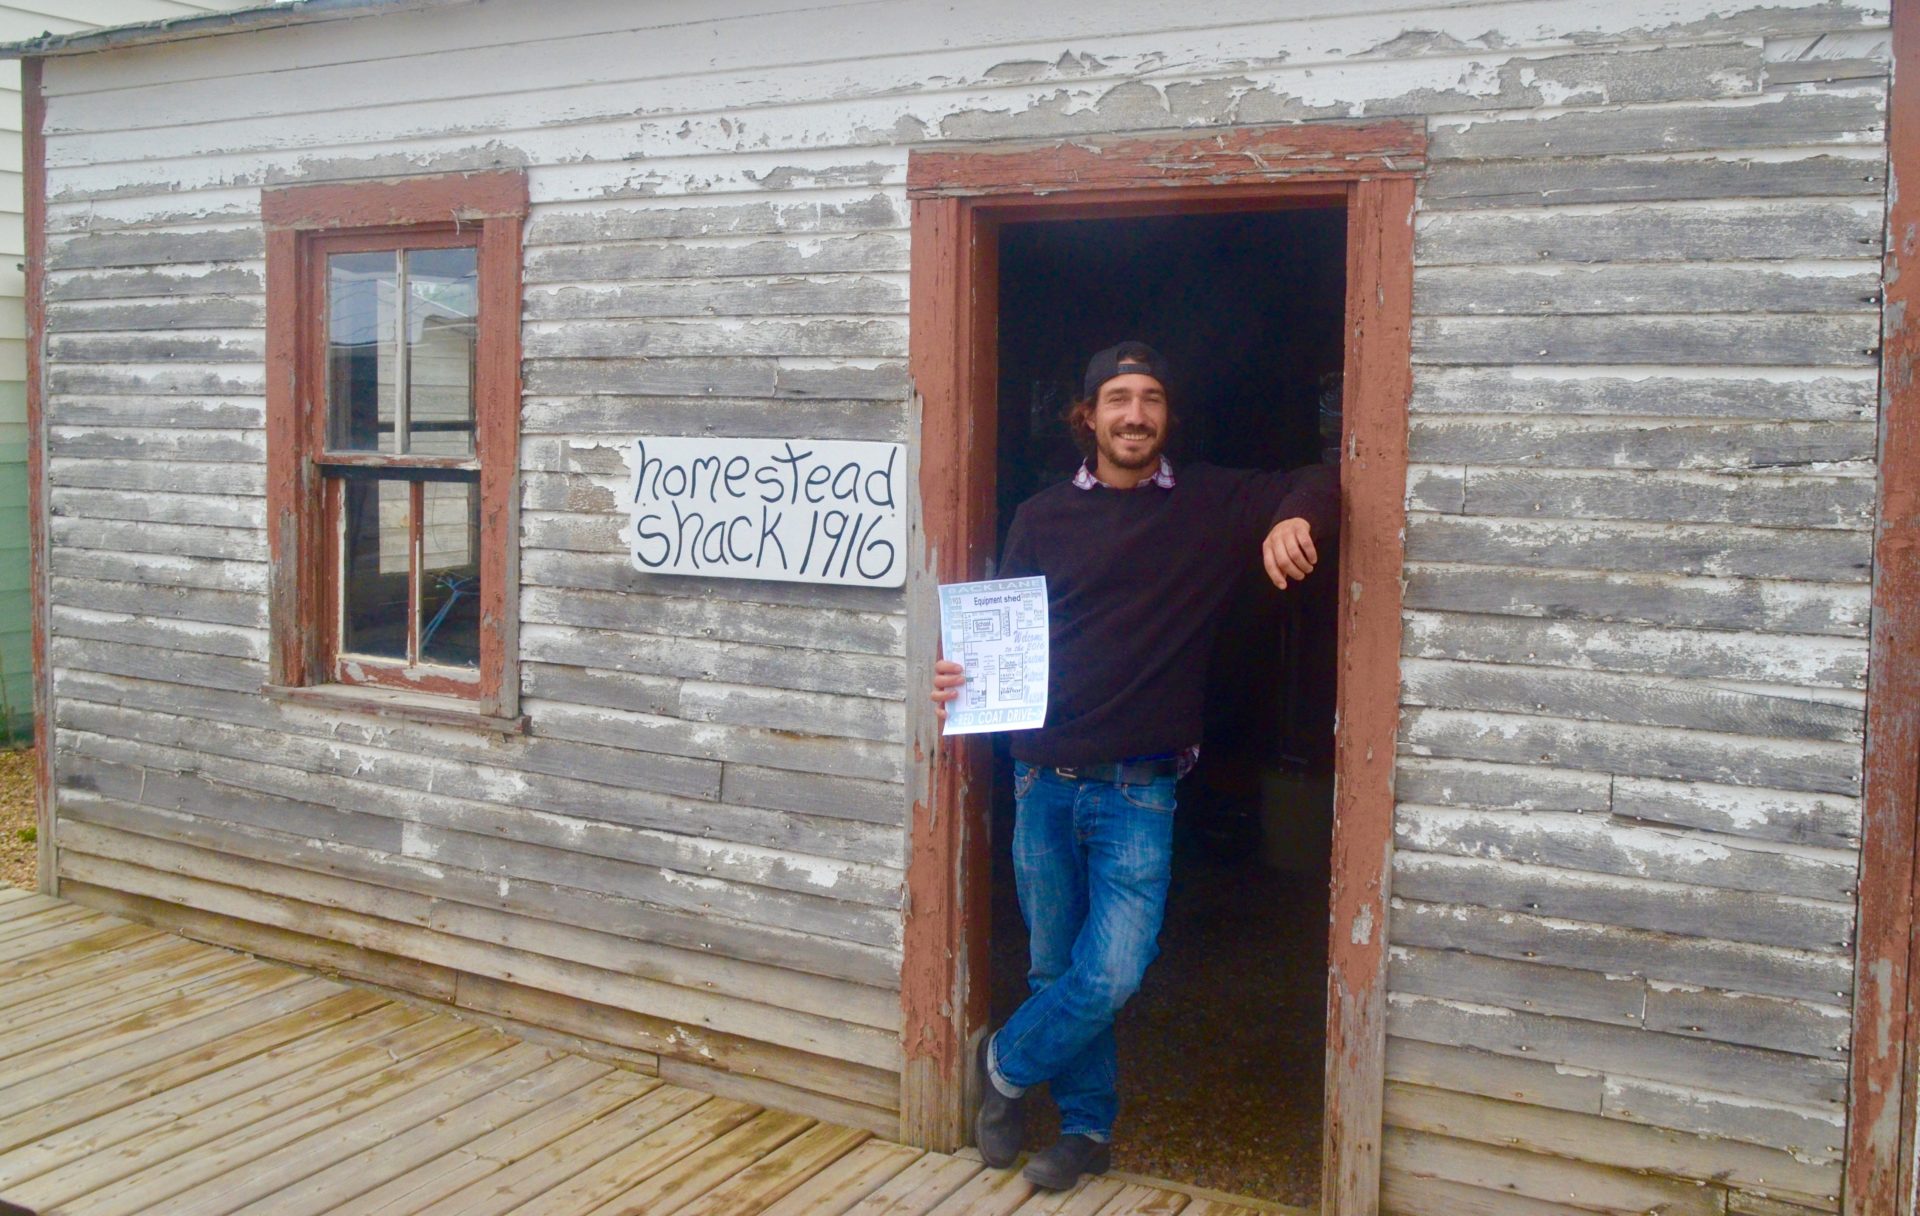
(619, 1172)
(91, 1120)
(671, 1189)
(276, 1125)
(126, 981)
(44, 918)
(68, 1015)
(341, 1138)
(988, 1193)
(1084, 1200)
(256, 1113)
(108, 943)
(573, 1154)
(119, 1031)
(16, 903)
(133, 1047)
(388, 1155)
(1137, 1200)
(920, 1186)
(147, 1075)
(848, 1181)
(80, 974)
(780, 1172)
(503, 1147)
(28, 946)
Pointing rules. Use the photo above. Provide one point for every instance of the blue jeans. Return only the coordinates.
(1092, 861)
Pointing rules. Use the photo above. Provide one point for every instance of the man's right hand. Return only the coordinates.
(948, 676)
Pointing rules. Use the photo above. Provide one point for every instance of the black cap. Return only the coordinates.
(1139, 358)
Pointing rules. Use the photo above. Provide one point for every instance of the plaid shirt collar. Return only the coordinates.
(1162, 477)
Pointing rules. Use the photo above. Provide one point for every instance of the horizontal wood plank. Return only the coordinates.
(1520, 687)
(1809, 1133)
(1590, 945)
(1527, 291)
(1621, 1145)
(1634, 751)
(1604, 845)
(1778, 121)
(1804, 660)
(1618, 1050)
(1611, 392)
(1464, 1070)
(1815, 228)
(1738, 605)
(1661, 497)
(1503, 184)
(1661, 907)
(1644, 445)
(1790, 341)
(1418, 1158)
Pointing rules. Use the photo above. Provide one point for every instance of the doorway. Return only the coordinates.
(961, 199)
(1222, 1051)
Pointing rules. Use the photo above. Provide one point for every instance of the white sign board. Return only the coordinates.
(796, 510)
(997, 632)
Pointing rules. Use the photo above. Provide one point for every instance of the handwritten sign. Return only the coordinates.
(795, 510)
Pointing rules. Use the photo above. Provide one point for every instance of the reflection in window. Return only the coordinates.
(402, 390)
(450, 573)
(442, 325)
(402, 329)
(375, 574)
(362, 368)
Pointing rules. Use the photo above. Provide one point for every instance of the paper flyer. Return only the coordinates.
(997, 631)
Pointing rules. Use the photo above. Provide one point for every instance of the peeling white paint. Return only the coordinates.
(1361, 932)
(759, 109)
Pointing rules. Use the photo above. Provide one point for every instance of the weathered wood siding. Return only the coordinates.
(1638, 544)
(1637, 540)
(19, 22)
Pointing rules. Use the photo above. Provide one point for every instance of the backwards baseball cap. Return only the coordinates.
(1125, 359)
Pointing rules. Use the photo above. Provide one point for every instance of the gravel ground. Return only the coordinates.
(19, 853)
(1221, 1052)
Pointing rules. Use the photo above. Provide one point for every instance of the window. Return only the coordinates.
(393, 424)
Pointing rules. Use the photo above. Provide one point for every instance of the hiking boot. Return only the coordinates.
(1059, 1167)
(1001, 1123)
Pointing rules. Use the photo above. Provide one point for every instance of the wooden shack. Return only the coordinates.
(1628, 642)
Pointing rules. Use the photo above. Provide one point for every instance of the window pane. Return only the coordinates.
(374, 576)
(361, 363)
(442, 311)
(450, 574)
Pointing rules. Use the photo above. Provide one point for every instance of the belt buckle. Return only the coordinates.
(1071, 774)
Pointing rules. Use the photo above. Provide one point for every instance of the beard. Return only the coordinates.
(1111, 452)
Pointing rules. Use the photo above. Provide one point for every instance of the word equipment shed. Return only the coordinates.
(348, 320)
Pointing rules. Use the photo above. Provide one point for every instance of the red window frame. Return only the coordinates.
(304, 480)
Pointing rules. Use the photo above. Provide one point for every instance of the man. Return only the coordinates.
(1140, 559)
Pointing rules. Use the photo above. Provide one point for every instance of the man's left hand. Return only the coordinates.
(1288, 551)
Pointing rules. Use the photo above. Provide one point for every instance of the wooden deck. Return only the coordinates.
(147, 1075)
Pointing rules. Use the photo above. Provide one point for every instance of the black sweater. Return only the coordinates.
(1137, 582)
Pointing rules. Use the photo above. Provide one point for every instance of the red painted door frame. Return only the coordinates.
(959, 198)
(1881, 1099)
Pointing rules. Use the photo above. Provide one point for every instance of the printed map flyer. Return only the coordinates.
(997, 631)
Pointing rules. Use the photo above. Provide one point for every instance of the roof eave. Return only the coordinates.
(179, 29)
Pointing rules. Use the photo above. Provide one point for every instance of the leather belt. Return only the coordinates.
(1124, 772)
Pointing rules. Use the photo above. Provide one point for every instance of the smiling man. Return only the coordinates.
(1140, 559)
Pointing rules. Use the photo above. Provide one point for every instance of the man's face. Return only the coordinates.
(1130, 421)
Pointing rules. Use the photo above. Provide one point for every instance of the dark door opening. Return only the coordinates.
(1222, 1051)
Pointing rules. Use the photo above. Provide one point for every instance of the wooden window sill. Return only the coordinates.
(406, 706)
